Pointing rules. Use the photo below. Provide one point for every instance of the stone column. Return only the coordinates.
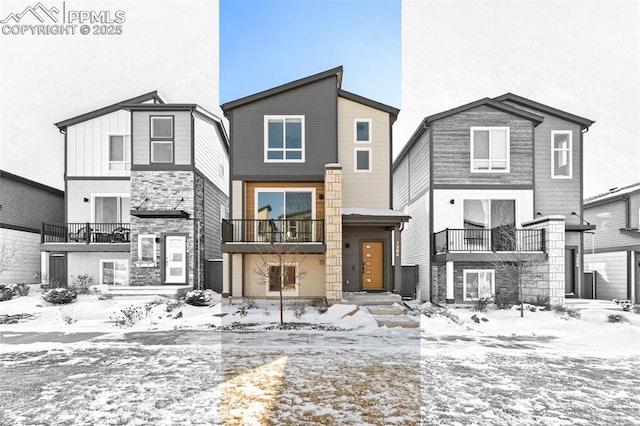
(549, 279)
(333, 231)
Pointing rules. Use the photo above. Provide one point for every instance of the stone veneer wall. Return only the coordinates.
(199, 247)
(163, 189)
(548, 279)
(333, 231)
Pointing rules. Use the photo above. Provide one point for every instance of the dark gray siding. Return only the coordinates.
(401, 184)
(213, 199)
(27, 206)
(352, 259)
(419, 166)
(609, 218)
(317, 102)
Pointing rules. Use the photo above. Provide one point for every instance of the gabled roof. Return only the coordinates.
(337, 71)
(613, 194)
(369, 102)
(151, 96)
(510, 97)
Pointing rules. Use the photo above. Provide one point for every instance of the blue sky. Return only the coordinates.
(267, 43)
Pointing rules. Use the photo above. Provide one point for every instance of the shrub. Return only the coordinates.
(481, 304)
(503, 300)
(541, 301)
(59, 296)
(19, 289)
(101, 292)
(299, 308)
(130, 315)
(250, 303)
(617, 318)
(81, 283)
(197, 298)
(242, 310)
(68, 314)
(565, 312)
(5, 293)
(636, 309)
(320, 305)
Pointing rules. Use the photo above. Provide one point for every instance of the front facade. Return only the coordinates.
(310, 192)
(612, 251)
(24, 205)
(139, 175)
(494, 181)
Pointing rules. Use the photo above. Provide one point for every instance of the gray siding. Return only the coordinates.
(28, 206)
(419, 167)
(416, 239)
(611, 274)
(317, 102)
(401, 184)
(352, 259)
(141, 132)
(609, 218)
(214, 197)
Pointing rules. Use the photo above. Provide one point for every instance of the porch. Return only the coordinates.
(85, 233)
(258, 235)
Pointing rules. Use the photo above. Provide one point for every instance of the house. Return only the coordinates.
(492, 181)
(311, 181)
(24, 205)
(146, 189)
(612, 254)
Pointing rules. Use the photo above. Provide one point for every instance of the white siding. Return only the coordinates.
(210, 155)
(611, 269)
(88, 144)
(449, 215)
(415, 242)
(81, 263)
(26, 245)
(401, 184)
(77, 190)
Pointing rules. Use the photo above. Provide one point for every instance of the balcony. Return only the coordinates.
(496, 240)
(247, 235)
(85, 233)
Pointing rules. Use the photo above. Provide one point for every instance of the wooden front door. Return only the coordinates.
(372, 265)
(570, 271)
(58, 269)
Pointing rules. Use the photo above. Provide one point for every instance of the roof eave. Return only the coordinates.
(369, 102)
(512, 97)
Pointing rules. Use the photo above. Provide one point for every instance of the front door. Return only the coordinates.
(175, 260)
(372, 265)
(570, 271)
(58, 269)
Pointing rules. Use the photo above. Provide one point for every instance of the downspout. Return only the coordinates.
(627, 202)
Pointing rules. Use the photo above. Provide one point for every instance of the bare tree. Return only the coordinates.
(10, 259)
(280, 268)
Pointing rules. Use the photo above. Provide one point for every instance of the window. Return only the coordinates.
(285, 215)
(490, 149)
(284, 138)
(162, 139)
(362, 160)
(283, 276)
(147, 248)
(111, 208)
(478, 283)
(480, 216)
(114, 272)
(561, 154)
(362, 130)
(119, 152)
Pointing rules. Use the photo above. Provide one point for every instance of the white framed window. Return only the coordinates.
(110, 208)
(147, 248)
(490, 148)
(114, 271)
(284, 137)
(362, 160)
(362, 130)
(479, 283)
(285, 276)
(161, 133)
(119, 152)
(561, 146)
(285, 214)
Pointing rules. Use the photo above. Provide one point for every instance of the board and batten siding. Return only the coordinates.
(611, 273)
(211, 158)
(181, 136)
(28, 206)
(77, 190)
(609, 218)
(88, 144)
(364, 189)
(27, 247)
(452, 148)
(317, 102)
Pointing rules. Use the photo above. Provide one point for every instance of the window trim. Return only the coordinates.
(472, 159)
(472, 271)
(103, 261)
(297, 283)
(118, 195)
(257, 190)
(162, 140)
(355, 160)
(124, 153)
(569, 150)
(516, 207)
(155, 248)
(284, 142)
(355, 130)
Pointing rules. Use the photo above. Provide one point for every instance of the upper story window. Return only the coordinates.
(161, 139)
(119, 152)
(284, 138)
(362, 130)
(111, 208)
(561, 154)
(490, 149)
(362, 160)
(285, 215)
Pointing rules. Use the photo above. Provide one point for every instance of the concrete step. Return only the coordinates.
(367, 299)
(404, 321)
(149, 290)
(387, 310)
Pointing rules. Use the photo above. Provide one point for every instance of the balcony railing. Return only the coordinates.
(493, 240)
(272, 231)
(86, 232)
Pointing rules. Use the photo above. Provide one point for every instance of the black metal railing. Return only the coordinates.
(272, 231)
(85, 232)
(494, 240)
